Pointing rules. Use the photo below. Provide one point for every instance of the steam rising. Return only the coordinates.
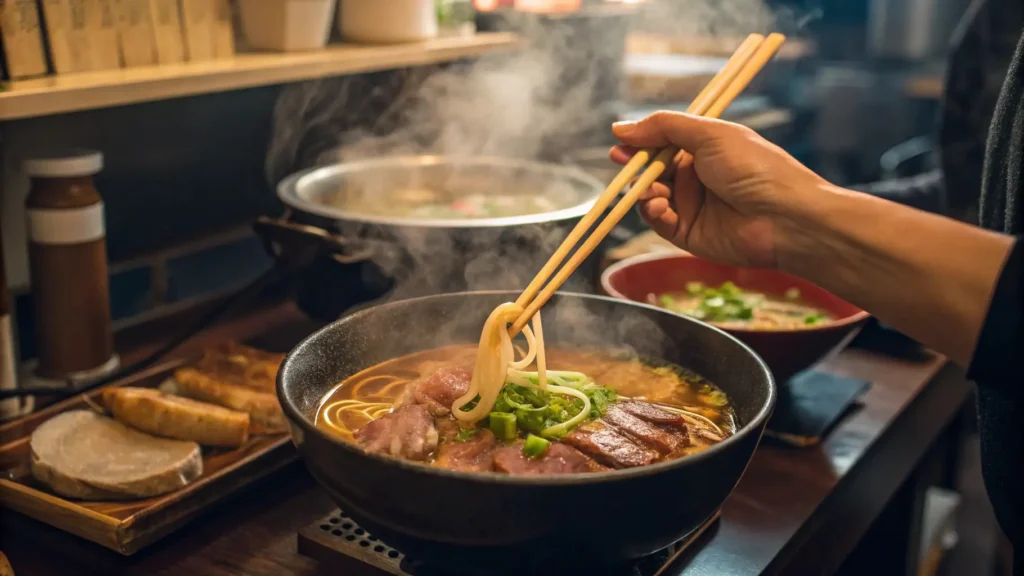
(512, 104)
(725, 19)
(539, 103)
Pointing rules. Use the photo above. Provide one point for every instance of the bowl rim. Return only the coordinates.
(296, 417)
(606, 284)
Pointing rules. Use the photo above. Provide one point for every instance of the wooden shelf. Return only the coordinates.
(88, 91)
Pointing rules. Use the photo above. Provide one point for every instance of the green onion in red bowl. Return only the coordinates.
(790, 322)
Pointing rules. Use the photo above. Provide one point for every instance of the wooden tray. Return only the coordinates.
(129, 526)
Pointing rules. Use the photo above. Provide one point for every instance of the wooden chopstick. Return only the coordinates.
(752, 55)
(704, 99)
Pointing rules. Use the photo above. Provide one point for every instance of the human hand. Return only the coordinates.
(732, 197)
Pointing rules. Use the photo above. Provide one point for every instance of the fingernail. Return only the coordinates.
(623, 127)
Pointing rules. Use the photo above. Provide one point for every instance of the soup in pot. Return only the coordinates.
(597, 411)
(429, 203)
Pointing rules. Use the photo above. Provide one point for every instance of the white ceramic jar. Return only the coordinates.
(286, 25)
(387, 21)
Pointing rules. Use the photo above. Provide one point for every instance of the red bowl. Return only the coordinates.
(786, 351)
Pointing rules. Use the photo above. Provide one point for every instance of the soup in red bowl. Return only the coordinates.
(790, 322)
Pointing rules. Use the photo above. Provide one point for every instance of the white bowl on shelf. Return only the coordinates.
(286, 25)
(387, 21)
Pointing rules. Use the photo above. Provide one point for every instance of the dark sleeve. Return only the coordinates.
(998, 356)
(982, 48)
(924, 191)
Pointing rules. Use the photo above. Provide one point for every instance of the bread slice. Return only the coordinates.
(168, 416)
(82, 454)
(240, 378)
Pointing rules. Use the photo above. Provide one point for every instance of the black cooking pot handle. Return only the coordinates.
(299, 245)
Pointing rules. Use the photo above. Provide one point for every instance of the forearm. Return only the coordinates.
(923, 191)
(928, 276)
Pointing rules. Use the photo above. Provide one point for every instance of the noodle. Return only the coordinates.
(383, 392)
(550, 409)
(496, 365)
(332, 413)
(496, 356)
(389, 379)
(694, 416)
(495, 361)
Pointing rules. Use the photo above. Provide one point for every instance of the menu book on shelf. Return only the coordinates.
(197, 17)
(68, 33)
(170, 48)
(23, 51)
(135, 31)
(223, 30)
(101, 26)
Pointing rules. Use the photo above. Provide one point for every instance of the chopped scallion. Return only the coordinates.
(535, 446)
(503, 425)
(531, 420)
(714, 302)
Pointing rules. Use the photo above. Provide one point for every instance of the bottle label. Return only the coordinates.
(72, 226)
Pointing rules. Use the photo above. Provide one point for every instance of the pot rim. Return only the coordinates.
(288, 191)
(754, 426)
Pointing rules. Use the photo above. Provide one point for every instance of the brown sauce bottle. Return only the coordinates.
(68, 265)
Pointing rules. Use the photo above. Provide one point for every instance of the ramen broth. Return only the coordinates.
(376, 391)
(729, 306)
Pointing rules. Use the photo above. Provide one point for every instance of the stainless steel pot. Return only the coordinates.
(347, 254)
(329, 191)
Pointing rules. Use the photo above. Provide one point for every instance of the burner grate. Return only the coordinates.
(347, 540)
(338, 540)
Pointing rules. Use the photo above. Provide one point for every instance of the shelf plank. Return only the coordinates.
(92, 90)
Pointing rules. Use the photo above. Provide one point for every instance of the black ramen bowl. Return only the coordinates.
(481, 523)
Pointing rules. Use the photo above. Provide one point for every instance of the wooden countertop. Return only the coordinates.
(796, 510)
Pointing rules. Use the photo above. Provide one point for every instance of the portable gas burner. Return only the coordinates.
(337, 540)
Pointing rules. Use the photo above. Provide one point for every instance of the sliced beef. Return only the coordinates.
(609, 447)
(473, 455)
(665, 440)
(407, 432)
(559, 459)
(438, 390)
(447, 429)
(651, 413)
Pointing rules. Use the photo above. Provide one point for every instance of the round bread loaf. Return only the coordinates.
(82, 454)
